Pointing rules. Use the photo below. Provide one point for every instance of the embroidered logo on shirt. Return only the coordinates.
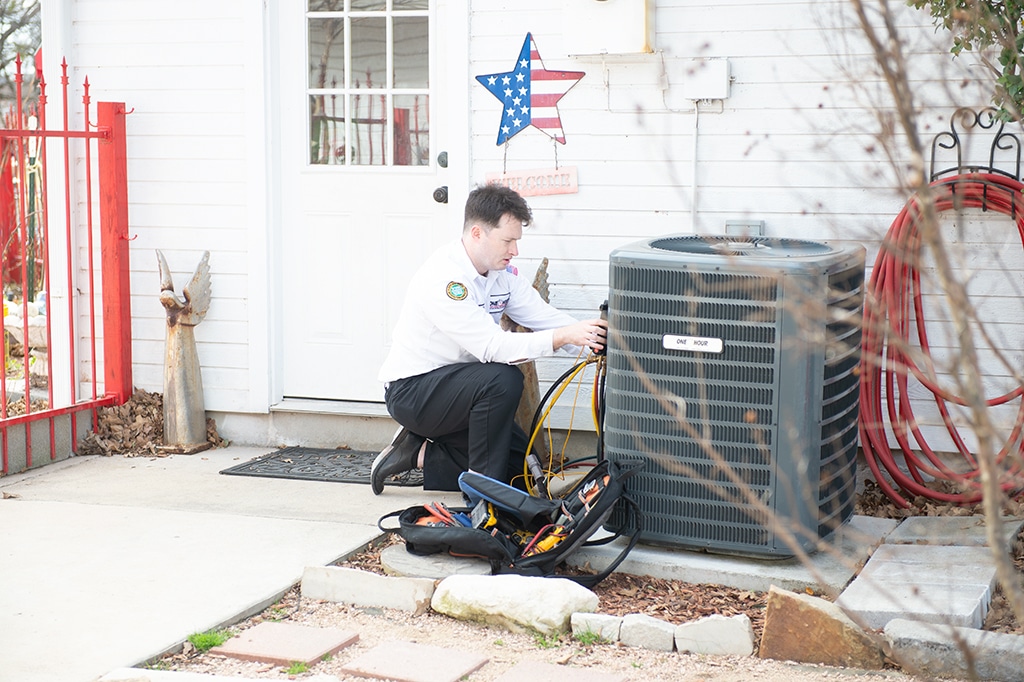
(498, 303)
(457, 291)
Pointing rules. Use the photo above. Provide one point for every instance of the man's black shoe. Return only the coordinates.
(398, 457)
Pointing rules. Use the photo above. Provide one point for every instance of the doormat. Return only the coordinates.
(313, 464)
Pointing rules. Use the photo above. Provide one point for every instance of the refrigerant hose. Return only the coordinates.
(893, 309)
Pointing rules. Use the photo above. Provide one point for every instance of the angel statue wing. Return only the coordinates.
(197, 291)
(192, 309)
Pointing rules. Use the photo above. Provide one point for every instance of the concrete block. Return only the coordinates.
(601, 624)
(961, 531)
(935, 584)
(873, 604)
(415, 663)
(716, 635)
(647, 632)
(929, 574)
(934, 651)
(362, 588)
(285, 643)
(949, 558)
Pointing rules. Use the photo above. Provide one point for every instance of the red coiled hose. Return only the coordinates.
(894, 287)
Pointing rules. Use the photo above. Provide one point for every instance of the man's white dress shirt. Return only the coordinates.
(451, 315)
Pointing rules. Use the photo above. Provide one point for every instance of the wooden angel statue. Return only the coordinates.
(184, 410)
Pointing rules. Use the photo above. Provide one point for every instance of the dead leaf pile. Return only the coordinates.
(135, 428)
(873, 501)
(17, 407)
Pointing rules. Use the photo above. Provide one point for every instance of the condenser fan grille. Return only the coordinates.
(678, 285)
(750, 247)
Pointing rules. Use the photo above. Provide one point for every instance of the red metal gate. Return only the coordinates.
(41, 224)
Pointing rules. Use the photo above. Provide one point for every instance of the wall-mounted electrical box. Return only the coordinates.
(608, 27)
(706, 79)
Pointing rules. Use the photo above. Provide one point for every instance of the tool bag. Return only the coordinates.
(520, 533)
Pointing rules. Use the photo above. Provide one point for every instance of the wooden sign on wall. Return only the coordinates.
(540, 182)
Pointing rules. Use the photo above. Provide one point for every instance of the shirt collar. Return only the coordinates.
(460, 256)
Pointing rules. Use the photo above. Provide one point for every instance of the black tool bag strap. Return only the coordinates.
(390, 515)
(636, 516)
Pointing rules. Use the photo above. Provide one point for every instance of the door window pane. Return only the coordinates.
(327, 129)
(326, 53)
(326, 5)
(368, 82)
(369, 52)
(368, 126)
(412, 130)
(410, 51)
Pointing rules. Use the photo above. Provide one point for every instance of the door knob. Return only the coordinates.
(442, 159)
(441, 194)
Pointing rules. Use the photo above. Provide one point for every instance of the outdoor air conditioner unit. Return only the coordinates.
(732, 378)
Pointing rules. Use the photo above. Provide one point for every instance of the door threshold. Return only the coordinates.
(349, 408)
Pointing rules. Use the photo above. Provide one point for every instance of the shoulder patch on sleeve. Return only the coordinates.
(457, 291)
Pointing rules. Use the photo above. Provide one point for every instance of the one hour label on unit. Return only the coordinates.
(702, 344)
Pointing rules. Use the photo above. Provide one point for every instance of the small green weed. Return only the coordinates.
(326, 657)
(544, 641)
(588, 638)
(499, 642)
(297, 668)
(204, 641)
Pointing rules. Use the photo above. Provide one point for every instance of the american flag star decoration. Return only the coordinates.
(530, 94)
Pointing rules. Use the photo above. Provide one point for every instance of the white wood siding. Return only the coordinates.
(191, 76)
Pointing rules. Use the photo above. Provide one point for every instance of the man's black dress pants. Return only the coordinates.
(467, 413)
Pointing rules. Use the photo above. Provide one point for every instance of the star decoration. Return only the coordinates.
(534, 101)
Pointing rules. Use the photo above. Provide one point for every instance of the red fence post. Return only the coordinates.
(117, 322)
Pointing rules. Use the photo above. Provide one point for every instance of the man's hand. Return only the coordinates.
(590, 334)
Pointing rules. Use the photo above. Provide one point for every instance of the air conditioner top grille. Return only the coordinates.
(739, 246)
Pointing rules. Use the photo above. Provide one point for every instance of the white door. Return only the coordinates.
(370, 114)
